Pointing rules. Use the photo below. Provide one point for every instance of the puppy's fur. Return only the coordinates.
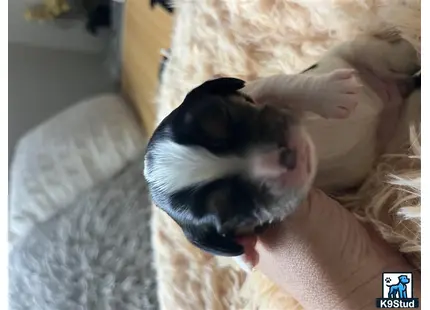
(234, 157)
(201, 165)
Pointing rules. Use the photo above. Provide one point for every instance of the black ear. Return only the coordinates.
(213, 242)
(195, 99)
(221, 86)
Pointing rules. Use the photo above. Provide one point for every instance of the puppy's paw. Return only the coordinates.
(340, 94)
(340, 75)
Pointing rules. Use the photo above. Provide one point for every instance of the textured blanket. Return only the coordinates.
(94, 253)
(256, 38)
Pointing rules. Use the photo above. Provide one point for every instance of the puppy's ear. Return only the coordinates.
(193, 107)
(213, 242)
(220, 86)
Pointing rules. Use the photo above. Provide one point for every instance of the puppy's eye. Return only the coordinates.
(221, 113)
(215, 124)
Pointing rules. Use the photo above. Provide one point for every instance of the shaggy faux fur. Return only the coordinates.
(256, 38)
(94, 255)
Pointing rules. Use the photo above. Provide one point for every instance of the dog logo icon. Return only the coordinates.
(397, 291)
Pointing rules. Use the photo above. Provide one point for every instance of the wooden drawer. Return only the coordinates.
(146, 31)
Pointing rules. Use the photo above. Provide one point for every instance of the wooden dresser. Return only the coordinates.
(146, 31)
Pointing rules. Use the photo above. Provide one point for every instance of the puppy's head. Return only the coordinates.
(221, 165)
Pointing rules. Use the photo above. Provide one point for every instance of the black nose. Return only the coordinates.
(288, 158)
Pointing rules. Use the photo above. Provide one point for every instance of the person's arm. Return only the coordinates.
(326, 259)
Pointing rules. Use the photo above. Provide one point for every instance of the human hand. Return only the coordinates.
(325, 258)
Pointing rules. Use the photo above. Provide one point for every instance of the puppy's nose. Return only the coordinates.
(288, 158)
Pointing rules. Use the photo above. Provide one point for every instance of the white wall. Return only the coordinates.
(43, 81)
(50, 35)
(50, 68)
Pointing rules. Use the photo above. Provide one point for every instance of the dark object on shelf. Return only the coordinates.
(99, 17)
(166, 4)
(165, 57)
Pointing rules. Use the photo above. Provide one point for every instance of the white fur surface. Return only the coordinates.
(251, 39)
(243, 264)
(95, 254)
(68, 154)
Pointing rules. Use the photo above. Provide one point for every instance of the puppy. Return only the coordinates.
(235, 157)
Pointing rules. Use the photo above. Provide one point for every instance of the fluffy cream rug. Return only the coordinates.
(255, 38)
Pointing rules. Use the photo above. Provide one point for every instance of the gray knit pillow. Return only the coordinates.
(94, 254)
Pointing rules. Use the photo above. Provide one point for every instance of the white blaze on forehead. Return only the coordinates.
(175, 167)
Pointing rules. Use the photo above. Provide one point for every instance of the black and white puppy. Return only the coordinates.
(234, 157)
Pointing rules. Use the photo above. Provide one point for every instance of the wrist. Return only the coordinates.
(348, 286)
(366, 286)
(325, 258)
(357, 278)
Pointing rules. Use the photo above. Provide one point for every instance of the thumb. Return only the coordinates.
(320, 233)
